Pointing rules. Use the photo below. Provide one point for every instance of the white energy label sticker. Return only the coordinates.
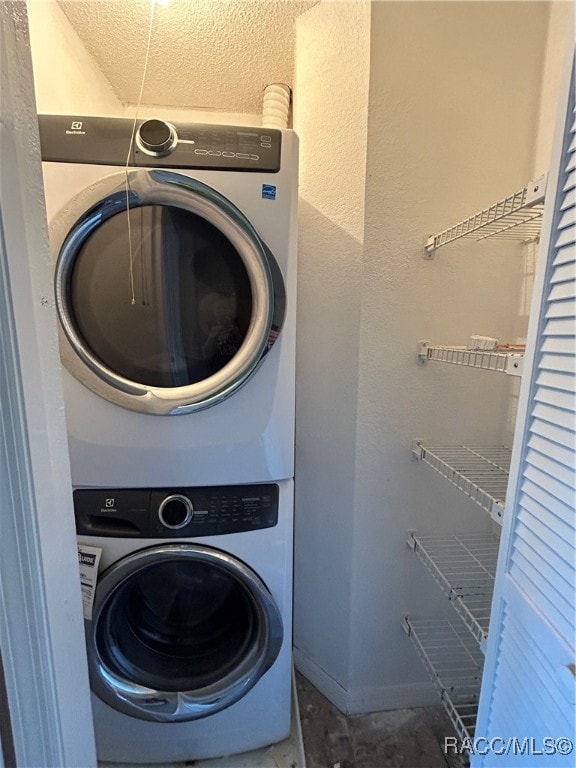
(88, 560)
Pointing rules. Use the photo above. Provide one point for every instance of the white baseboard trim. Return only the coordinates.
(406, 696)
(333, 691)
(360, 701)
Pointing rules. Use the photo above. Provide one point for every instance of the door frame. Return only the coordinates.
(41, 623)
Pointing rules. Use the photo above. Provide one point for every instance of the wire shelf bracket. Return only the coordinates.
(516, 217)
(480, 472)
(464, 568)
(509, 362)
(454, 662)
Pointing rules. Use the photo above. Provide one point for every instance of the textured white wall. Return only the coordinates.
(454, 94)
(332, 77)
(66, 78)
(147, 111)
(448, 133)
(560, 32)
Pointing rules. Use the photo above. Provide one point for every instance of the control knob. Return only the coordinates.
(175, 511)
(156, 137)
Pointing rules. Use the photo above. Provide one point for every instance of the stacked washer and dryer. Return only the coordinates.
(175, 280)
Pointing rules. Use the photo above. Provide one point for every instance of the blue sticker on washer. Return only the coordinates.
(268, 192)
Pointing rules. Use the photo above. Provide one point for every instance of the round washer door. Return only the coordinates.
(179, 632)
(168, 298)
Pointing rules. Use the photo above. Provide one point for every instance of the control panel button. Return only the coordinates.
(156, 137)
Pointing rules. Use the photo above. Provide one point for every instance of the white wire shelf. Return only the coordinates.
(516, 217)
(454, 662)
(464, 567)
(480, 472)
(510, 362)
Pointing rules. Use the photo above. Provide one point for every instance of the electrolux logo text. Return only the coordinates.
(76, 128)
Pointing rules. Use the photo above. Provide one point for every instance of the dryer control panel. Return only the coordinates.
(158, 143)
(154, 513)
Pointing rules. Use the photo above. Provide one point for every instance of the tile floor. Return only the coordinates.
(406, 738)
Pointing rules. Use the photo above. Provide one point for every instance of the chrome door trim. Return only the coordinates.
(71, 227)
(146, 703)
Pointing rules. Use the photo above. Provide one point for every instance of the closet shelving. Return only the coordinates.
(505, 361)
(454, 662)
(464, 566)
(516, 217)
(480, 472)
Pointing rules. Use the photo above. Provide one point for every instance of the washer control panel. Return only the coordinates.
(175, 512)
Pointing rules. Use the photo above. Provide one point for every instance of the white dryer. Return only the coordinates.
(175, 289)
(189, 638)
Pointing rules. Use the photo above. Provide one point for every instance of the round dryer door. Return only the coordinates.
(167, 297)
(179, 632)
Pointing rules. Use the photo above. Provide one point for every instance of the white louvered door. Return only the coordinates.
(529, 679)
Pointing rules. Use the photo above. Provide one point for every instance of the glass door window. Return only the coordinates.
(168, 299)
(179, 632)
(168, 309)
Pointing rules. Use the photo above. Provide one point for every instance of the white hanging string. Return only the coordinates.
(130, 147)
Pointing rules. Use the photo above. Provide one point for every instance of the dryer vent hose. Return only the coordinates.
(276, 106)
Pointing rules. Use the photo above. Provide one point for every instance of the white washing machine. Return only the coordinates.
(189, 636)
(175, 290)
